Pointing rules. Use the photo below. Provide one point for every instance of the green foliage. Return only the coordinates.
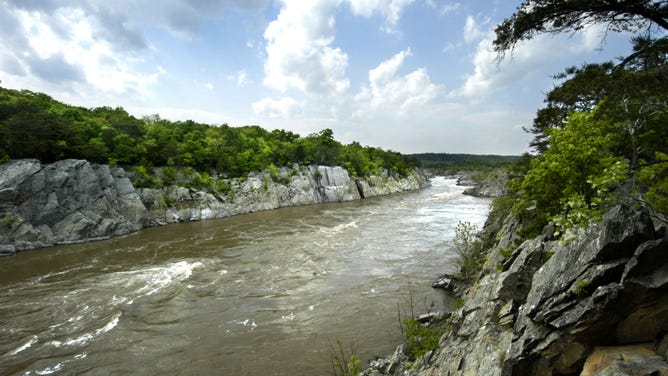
(535, 17)
(420, 338)
(204, 181)
(581, 288)
(506, 253)
(169, 175)
(655, 176)
(33, 125)
(144, 178)
(9, 221)
(601, 136)
(345, 364)
(469, 251)
(450, 164)
(574, 179)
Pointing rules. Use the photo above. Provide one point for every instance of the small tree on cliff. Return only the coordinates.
(469, 251)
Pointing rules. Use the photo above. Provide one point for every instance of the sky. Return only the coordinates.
(406, 75)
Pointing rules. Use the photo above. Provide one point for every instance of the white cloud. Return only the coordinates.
(449, 8)
(391, 10)
(285, 108)
(62, 47)
(391, 93)
(471, 30)
(490, 74)
(91, 46)
(299, 52)
(240, 78)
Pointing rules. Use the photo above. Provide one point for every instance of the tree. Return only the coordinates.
(574, 179)
(469, 251)
(534, 17)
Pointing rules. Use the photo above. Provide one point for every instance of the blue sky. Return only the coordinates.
(406, 75)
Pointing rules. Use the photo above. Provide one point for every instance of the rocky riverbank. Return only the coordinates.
(75, 201)
(484, 184)
(596, 304)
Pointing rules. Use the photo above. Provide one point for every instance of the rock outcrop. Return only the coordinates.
(596, 304)
(492, 184)
(64, 202)
(74, 200)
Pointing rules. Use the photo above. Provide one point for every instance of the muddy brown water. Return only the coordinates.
(267, 293)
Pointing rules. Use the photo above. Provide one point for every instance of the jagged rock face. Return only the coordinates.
(334, 184)
(493, 185)
(67, 201)
(625, 360)
(554, 302)
(385, 184)
(74, 200)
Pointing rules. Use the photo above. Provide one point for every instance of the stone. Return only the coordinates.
(493, 185)
(566, 307)
(67, 201)
(393, 365)
(7, 249)
(631, 360)
(452, 284)
(74, 200)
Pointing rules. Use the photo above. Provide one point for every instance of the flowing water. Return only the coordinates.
(261, 294)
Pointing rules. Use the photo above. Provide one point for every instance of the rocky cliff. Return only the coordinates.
(493, 184)
(74, 200)
(596, 304)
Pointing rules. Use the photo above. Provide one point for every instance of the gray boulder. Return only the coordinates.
(74, 200)
(492, 185)
(64, 202)
(554, 302)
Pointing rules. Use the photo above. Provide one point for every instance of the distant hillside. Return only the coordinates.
(445, 163)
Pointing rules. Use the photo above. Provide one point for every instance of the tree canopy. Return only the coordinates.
(602, 135)
(34, 125)
(534, 17)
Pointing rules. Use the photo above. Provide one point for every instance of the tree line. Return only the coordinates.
(601, 137)
(34, 125)
(451, 164)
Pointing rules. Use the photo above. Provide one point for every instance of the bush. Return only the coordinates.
(342, 364)
(469, 251)
(420, 338)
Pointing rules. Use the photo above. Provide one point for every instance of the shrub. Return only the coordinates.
(469, 251)
(342, 364)
(421, 338)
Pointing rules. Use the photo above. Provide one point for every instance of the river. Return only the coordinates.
(266, 293)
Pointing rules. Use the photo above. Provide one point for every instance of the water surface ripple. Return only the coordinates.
(260, 294)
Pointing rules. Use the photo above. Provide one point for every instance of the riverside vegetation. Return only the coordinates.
(72, 174)
(34, 125)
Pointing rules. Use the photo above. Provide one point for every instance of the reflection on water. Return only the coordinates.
(261, 294)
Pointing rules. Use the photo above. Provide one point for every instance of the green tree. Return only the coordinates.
(574, 179)
(469, 251)
(604, 124)
(534, 17)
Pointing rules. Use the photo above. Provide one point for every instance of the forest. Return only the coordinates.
(34, 125)
(452, 164)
